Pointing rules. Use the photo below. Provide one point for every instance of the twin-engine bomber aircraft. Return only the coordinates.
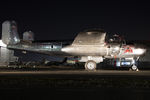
(89, 46)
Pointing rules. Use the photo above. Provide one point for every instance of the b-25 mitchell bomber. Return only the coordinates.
(89, 46)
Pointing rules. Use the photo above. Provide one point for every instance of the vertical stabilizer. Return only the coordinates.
(10, 32)
(9, 36)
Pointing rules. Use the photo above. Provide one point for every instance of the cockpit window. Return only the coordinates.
(115, 39)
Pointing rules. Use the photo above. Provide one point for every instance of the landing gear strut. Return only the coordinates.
(134, 66)
(90, 65)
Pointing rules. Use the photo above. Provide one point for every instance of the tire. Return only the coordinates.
(90, 65)
(134, 68)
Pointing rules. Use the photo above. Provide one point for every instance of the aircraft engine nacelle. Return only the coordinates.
(88, 43)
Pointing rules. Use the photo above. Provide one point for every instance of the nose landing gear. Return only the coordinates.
(134, 68)
(134, 64)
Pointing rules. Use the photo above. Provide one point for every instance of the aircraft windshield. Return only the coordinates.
(116, 39)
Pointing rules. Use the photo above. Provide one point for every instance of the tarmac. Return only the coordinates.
(71, 72)
(75, 84)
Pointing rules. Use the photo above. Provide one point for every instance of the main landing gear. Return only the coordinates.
(90, 65)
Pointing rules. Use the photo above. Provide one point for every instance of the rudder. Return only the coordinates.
(10, 32)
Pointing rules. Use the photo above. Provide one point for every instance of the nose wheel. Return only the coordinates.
(90, 65)
(134, 68)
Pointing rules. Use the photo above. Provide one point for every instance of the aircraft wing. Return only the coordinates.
(44, 48)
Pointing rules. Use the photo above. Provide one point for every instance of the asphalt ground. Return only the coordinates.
(59, 82)
(75, 73)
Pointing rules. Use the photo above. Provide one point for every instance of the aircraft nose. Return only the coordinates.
(140, 51)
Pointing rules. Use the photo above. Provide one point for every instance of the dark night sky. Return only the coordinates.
(64, 19)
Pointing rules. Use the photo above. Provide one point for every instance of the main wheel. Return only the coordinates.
(90, 65)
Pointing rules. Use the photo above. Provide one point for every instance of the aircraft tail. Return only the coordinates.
(9, 36)
(10, 33)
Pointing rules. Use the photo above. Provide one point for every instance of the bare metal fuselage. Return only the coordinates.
(103, 50)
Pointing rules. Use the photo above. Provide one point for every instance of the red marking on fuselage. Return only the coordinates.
(128, 50)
